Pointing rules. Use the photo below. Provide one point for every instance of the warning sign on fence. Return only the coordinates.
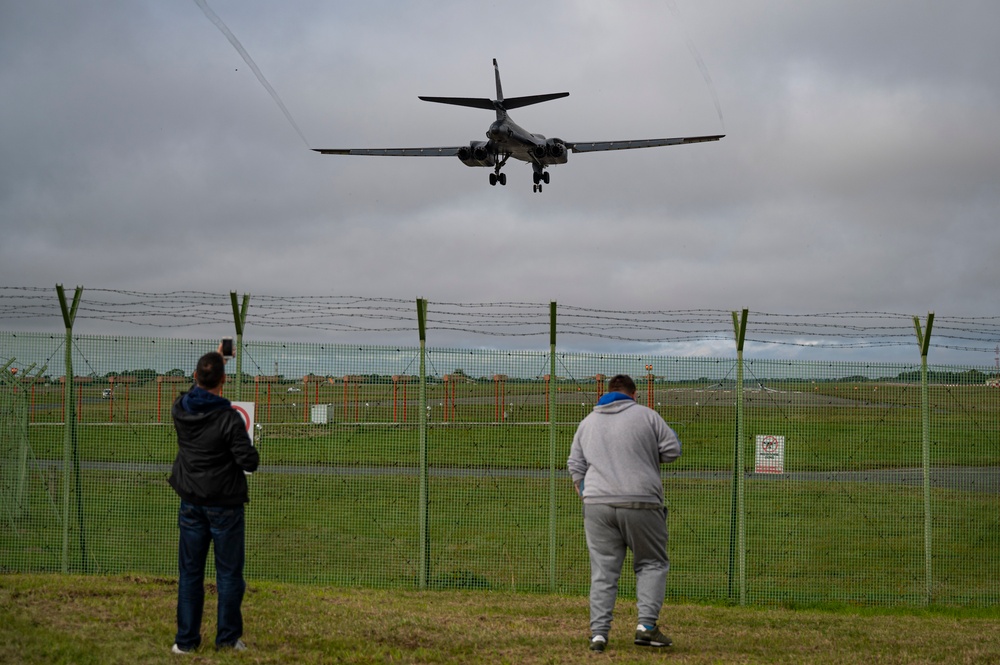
(247, 413)
(770, 456)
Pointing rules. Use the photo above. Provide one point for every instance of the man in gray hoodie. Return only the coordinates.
(615, 464)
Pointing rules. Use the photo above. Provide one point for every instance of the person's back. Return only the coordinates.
(618, 449)
(213, 450)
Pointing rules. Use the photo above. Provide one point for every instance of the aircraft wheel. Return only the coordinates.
(545, 177)
(534, 188)
(502, 179)
(493, 179)
(535, 177)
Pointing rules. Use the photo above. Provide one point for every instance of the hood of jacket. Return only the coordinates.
(198, 400)
(613, 403)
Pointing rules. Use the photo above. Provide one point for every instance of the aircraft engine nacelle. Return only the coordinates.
(555, 151)
(478, 153)
(539, 152)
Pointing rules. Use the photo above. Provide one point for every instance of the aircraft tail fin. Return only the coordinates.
(500, 104)
(496, 73)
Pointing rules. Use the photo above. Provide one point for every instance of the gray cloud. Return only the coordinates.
(139, 151)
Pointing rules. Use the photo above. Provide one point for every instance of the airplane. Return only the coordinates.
(506, 139)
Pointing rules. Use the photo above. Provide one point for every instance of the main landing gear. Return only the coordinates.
(539, 177)
(496, 176)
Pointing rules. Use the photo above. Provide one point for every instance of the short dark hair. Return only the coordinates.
(210, 371)
(621, 383)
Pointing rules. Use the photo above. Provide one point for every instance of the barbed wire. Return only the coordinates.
(362, 316)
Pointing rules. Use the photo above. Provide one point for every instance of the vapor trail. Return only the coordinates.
(698, 60)
(214, 18)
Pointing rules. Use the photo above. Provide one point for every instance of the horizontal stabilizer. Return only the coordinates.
(518, 102)
(392, 152)
(489, 104)
(474, 102)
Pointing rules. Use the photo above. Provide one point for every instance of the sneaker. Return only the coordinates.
(239, 645)
(177, 649)
(651, 637)
(598, 643)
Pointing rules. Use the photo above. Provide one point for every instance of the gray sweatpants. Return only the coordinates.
(609, 532)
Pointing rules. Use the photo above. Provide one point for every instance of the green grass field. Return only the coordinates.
(337, 503)
(128, 619)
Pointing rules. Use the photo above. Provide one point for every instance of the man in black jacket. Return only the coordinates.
(213, 452)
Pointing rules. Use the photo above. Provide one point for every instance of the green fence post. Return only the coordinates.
(240, 320)
(71, 455)
(737, 529)
(552, 447)
(22, 415)
(924, 340)
(424, 535)
(17, 430)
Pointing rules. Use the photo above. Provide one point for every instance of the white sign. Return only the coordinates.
(246, 411)
(770, 457)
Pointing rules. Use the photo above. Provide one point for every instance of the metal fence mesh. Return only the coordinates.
(375, 474)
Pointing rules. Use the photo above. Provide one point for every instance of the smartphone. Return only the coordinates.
(227, 347)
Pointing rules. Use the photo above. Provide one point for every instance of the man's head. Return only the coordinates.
(210, 373)
(622, 383)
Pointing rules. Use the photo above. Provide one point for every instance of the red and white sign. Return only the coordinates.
(246, 411)
(770, 457)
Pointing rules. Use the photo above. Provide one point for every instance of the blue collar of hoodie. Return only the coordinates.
(608, 398)
(199, 400)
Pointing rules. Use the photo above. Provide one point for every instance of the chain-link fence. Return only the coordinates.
(414, 466)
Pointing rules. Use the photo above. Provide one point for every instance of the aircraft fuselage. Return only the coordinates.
(507, 137)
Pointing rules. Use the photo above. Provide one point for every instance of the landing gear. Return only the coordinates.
(496, 176)
(539, 177)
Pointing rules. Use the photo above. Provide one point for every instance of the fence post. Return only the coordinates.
(17, 430)
(424, 535)
(239, 319)
(924, 340)
(552, 449)
(71, 453)
(737, 529)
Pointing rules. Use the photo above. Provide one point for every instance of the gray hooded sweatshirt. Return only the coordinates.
(617, 451)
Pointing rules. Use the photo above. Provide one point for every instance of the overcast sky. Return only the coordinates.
(859, 171)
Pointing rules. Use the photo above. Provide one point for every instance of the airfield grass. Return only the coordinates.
(806, 541)
(61, 619)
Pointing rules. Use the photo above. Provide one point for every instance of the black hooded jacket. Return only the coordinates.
(213, 451)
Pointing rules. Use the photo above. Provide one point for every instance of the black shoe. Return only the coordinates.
(598, 643)
(651, 637)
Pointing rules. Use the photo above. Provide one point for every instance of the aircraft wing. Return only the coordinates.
(594, 146)
(392, 152)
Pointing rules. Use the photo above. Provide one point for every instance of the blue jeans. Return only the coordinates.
(201, 526)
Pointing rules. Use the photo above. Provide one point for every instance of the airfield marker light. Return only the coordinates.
(649, 386)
